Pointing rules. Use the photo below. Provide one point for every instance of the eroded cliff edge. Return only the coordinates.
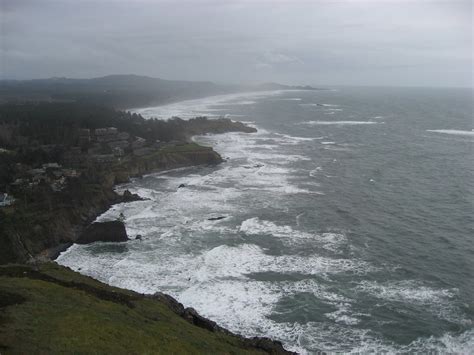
(51, 309)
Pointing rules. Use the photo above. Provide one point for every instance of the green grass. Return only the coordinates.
(57, 311)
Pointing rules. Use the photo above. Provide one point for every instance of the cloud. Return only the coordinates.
(271, 60)
(332, 42)
(263, 66)
(280, 58)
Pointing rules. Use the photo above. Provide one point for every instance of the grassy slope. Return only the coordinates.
(55, 310)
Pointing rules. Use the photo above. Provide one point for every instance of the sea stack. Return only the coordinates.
(112, 231)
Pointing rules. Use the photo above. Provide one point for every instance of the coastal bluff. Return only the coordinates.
(43, 233)
(51, 309)
(62, 163)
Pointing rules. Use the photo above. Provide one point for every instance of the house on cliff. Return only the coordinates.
(5, 199)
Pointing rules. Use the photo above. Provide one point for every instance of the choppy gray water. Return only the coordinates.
(349, 221)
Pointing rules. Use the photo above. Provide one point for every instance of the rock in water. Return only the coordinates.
(113, 231)
(216, 218)
(129, 197)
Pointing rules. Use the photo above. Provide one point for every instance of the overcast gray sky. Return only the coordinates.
(354, 42)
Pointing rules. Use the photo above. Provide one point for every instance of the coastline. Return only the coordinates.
(39, 265)
(210, 157)
(27, 227)
(189, 314)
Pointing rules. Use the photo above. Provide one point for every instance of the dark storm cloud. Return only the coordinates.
(328, 42)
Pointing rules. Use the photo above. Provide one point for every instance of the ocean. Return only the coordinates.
(348, 221)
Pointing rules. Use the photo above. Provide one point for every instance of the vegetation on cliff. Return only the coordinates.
(28, 126)
(64, 159)
(51, 309)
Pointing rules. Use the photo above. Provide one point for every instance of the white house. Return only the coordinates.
(5, 200)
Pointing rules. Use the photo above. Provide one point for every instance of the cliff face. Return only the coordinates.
(58, 219)
(189, 155)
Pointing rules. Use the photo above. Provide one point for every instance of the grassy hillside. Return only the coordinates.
(51, 309)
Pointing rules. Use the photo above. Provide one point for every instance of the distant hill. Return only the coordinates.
(121, 91)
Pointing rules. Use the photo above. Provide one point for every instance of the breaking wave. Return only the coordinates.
(339, 123)
(456, 132)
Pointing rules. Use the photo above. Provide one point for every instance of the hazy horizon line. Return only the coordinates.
(319, 85)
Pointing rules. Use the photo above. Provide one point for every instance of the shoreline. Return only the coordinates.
(29, 230)
(54, 252)
(264, 343)
(34, 243)
(189, 314)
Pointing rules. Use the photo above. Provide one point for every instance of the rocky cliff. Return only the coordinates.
(51, 222)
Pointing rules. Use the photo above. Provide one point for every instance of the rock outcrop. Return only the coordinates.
(129, 197)
(216, 218)
(192, 316)
(112, 231)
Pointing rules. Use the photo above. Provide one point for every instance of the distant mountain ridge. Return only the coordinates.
(122, 91)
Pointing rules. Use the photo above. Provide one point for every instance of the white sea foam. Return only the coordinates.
(252, 302)
(456, 132)
(203, 107)
(448, 343)
(343, 315)
(139, 271)
(315, 172)
(352, 340)
(438, 301)
(289, 99)
(225, 261)
(244, 102)
(212, 265)
(339, 123)
(286, 139)
(329, 241)
(217, 283)
(406, 290)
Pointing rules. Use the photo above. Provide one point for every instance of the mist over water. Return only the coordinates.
(348, 221)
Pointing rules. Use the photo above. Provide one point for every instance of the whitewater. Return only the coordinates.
(346, 221)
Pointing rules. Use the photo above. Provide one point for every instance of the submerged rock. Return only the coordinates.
(181, 185)
(113, 231)
(216, 218)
